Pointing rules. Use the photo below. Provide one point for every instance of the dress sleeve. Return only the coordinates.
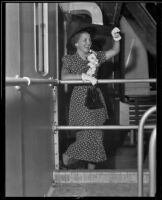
(101, 57)
(66, 63)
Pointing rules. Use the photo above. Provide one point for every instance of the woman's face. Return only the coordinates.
(84, 42)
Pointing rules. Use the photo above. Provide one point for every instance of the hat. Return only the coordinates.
(75, 27)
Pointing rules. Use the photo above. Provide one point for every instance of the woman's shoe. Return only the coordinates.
(91, 166)
(62, 166)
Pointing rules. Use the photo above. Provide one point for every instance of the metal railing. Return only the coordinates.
(152, 163)
(140, 149)
(112, 127)
(11, 81)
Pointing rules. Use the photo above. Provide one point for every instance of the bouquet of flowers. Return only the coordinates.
(92, 100)
(93, 63)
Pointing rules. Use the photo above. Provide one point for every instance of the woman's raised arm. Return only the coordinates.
(114, 51)
(116, 46)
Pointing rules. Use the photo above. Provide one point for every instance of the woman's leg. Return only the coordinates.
(65, 159)
(91, 166)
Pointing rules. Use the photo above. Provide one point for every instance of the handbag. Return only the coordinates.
(93, 100)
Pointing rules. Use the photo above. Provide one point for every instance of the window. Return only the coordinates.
(41, 38)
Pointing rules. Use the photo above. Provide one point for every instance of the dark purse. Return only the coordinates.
(93, 100)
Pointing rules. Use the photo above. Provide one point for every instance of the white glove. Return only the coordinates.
(115, 34)
(91, 71)
(86, 78)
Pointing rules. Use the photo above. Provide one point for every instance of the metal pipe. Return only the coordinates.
(109, 81)
(115, 127)
(140, 149)
(10, 81)
(55, 123)
(33, 81)
(57, 44)
(55, 104)
(152, 163)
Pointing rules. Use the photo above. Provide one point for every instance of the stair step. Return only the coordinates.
(98, 176)
(97, 189)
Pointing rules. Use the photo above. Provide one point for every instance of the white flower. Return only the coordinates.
(91, 51)
(93, 63)
(91, 71)
(92, 58)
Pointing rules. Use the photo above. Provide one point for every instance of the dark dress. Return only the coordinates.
(89, 143)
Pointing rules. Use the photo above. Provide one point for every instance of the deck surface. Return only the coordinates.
(97, 189)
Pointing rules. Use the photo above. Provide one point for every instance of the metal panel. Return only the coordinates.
(143, 25)
(13, 136)
(38, 142)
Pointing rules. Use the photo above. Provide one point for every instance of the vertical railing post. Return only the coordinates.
(140, 150)
(57, 43)
(55, 123)
(55, 104)
(152, 163)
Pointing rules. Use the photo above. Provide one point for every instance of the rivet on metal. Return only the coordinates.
(17, 87)
(50, 78)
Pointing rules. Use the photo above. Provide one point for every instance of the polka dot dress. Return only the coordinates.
(89, 143)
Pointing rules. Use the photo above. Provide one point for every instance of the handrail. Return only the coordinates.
(33, 81)
(114, 127)
(152, 163)
(140, 149)
(13, 81)
(111, 81)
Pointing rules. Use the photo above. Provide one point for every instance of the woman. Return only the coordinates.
(89, 143)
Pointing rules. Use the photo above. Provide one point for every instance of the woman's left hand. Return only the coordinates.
(86, 77)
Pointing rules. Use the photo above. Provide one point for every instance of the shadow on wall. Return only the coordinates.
(132, 63)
